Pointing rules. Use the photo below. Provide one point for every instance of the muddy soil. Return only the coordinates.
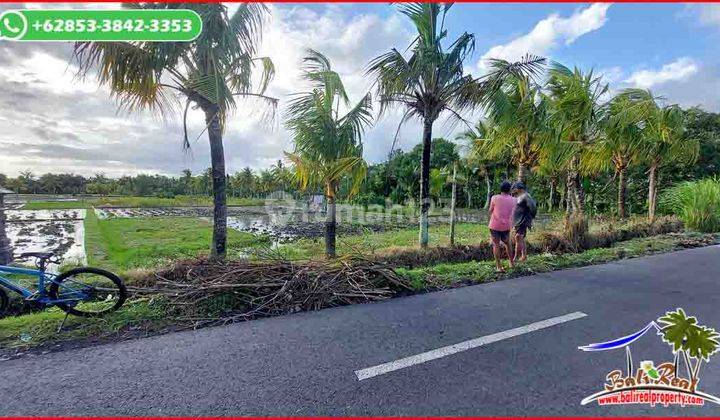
(61, 232)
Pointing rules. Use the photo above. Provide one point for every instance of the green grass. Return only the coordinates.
(443, 275)
(121, 244)
(697, 203)
(56, 205)
(369, 243)
(41, 327)
(140, 202)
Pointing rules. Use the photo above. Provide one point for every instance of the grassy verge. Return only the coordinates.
(448, 275)
(142, 317)
(41, 328)
(178, 201)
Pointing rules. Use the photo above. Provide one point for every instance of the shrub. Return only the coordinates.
(576, 238)
(697, 203)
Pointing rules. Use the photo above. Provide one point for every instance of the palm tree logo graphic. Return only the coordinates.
(691, 343)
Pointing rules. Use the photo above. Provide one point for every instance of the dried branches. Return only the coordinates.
(219, 292)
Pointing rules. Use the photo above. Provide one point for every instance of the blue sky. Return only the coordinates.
(635, 36)
(74, 126)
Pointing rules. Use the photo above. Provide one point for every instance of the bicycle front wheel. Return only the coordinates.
(88, 292)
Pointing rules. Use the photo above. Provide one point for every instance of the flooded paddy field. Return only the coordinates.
(59, 231)
(281, 223)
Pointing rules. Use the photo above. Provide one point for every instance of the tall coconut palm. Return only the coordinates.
(620, 144)
(576, 113)
(520, 115)
(553, 162)
(664, 135)
(208, 73)
(432, 82)
(328, 146)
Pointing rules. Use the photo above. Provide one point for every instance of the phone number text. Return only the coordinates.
(113, 25)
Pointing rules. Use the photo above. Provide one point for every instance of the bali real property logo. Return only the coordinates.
(661, 383)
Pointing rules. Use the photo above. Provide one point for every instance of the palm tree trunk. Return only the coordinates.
(330, 223)
(652, 190)
(695, 375)
(577, 193)
(452, 205)
(551, 202)
(522, 172)
(425, 183)
(622, 191)
(570, 192)
(219, 183)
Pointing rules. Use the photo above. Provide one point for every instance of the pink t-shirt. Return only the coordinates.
(501, 212)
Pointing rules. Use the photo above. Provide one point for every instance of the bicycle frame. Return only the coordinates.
(40, 296)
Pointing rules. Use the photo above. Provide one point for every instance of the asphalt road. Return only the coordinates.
(305, 364)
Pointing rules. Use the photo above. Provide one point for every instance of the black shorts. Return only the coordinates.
(522, 229)
(501, 235)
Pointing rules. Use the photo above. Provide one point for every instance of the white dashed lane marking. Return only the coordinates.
(441, 352)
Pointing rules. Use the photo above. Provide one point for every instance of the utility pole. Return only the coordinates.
(6, 251)
(452, 205)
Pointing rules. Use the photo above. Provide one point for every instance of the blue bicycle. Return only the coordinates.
(83, 291)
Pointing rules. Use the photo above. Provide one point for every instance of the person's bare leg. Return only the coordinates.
(518, 252)
(506, 244)
(520, 243)
(496, 254)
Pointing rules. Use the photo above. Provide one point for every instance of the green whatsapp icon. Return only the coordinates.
(13, 25)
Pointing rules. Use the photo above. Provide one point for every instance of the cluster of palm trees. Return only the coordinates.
(569, 125)
(558, 128)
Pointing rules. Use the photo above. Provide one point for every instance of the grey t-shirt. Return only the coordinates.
(525, 210)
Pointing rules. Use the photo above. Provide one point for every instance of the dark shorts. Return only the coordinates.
(522, 229)
(500, 235)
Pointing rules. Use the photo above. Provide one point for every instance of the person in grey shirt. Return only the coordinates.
(523, 216)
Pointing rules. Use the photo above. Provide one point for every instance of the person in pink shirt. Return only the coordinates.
(501, 220)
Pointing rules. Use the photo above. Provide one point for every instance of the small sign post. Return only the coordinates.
(6, 251)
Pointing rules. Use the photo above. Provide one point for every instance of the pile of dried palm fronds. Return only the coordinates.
(225, 291)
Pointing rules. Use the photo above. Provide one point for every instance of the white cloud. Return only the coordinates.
(611, 75)
(73, 126)
(549, 33)
(709, 14)
(48, 73)
(678, 70)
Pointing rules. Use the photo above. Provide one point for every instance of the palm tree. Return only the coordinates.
(208, 73)
(692, 340)
(619, 146)
(432, 82)
(474, 139)
(519, 114)
(664, 135)
(438, 179)
(576, 112)
(553, 162)
(328, 146)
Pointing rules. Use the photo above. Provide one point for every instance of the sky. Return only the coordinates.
(52, 121)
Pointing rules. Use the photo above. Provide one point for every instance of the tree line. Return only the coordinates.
(245, 183)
